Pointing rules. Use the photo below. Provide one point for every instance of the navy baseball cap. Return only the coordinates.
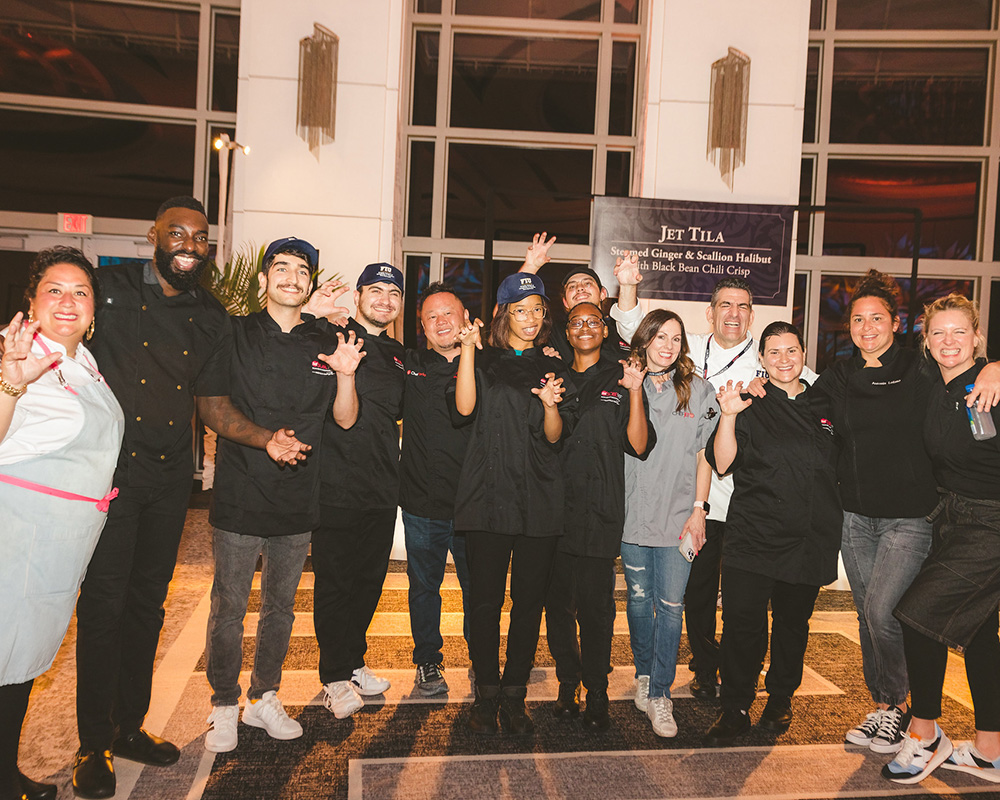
(520, 284)
(583, 271)
(381, 273)
(292, 243)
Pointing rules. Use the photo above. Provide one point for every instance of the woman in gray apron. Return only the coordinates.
(60, 432)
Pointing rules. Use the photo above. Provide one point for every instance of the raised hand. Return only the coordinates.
(469, 335)
(284, 448)
(633, 375)
(551, 393)
(627, 269)
(18, 365)
(345, 359)
(323, 302)
(730, 402)
(551, 352)
(538, 253)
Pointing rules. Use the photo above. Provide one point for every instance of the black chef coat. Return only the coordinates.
(511, 481)
(878, 414)
(785, 517)
(361, 465)
(614, 348)
(433, 448)
(278, 381)
(157, 353)
(593, 461)
(961, 464)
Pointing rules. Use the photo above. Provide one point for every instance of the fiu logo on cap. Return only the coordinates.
(385, 271)
(527, 283)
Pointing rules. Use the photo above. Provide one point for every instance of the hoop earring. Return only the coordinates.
(90, 330)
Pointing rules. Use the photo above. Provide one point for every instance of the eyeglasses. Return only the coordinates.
(522, 314)
(590, 322)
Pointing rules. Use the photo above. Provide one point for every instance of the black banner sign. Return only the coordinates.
(684, 248)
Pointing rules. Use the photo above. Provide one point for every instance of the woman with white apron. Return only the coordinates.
(60, 433)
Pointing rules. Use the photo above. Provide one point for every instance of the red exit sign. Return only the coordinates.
(76, 223)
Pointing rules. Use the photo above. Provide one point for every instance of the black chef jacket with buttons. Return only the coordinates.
(593, 460)
(157, 353)
(511, 481)
(614, 347)
(361, 465)
(433, 448)
(278, 381)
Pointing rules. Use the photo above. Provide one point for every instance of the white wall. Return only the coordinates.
(684, 39)
(342, 201)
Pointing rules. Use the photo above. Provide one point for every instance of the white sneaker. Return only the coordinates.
(341, 698)
(222, 737)
(660, 711)
(966, 758)
(918, 758)
(367, 683)
(641, 692)
(269, 714)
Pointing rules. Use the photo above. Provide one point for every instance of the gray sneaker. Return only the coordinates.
(430, 680)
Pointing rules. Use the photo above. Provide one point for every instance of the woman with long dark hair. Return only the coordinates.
(665, 501)
(510, 493)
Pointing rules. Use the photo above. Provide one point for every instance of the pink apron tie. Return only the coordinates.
(102, 505)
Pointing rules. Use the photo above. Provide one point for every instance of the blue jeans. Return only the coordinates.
(427, 544)
(882, 556)
(656, 578)
(235, 564)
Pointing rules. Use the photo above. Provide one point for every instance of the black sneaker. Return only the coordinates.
(891, 731)
(777, 714)
(567, 705)
(704, 686)
(595, 715)
(730, 724)
(430, 680)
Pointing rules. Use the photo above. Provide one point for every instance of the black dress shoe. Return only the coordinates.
(595, 715)
(730, 724)
(567, 705)
(514, 717)
(146, 749)
(94, 774)
(704, 686)
(777, 714)
(34, 790)
(483, 714)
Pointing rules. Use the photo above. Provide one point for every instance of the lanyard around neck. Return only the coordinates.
(737, 357)
(55, 367)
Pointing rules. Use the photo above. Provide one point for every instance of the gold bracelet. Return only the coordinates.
(9, 388)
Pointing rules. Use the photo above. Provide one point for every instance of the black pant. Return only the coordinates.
(927, 659)
(350, 556)
(13, 707)
(120, 610)
(701, 600)
(530, 561)
(582, 590)
(744, 613)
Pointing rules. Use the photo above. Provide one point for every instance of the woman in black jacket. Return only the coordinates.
(510, 493)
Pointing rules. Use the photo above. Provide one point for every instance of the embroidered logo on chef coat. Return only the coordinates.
(710, 414)
(826, 425)
(416, 374)
(398, 363)
(319, 368)
(685, 414)
(611, 397)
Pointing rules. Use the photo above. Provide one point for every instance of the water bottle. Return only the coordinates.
(980, 421)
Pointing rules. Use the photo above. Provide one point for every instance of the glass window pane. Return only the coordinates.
(532, 9)
(225, 61)
(946, 192)
(517, 83)
(534, 190)
(416, 279)
(913, 14)
(421, 193)
(909, 96)
(99, 51)
(429, 6)
(622, 88)
(816, 15)
(800, 291)
(618, 175)
(993, 330)
(834, 340)
(812, 96)
(627, 11)
(91, 165)
(805, 196)
(425, 77)
(212, 206)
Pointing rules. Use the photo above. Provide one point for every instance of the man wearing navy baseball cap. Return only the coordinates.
(282, 359)
(360, 491)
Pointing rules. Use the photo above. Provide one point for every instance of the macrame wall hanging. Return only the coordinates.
(317, 106)
(727, 113)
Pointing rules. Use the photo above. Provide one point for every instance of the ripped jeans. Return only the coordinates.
(656, 578)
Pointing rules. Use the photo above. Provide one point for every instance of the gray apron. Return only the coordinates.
(46, 542)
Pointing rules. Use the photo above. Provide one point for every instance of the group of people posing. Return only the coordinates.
(532, 449)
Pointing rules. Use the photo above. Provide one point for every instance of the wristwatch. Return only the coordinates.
(703, 505)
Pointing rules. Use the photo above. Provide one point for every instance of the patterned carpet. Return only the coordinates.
(400, 746)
